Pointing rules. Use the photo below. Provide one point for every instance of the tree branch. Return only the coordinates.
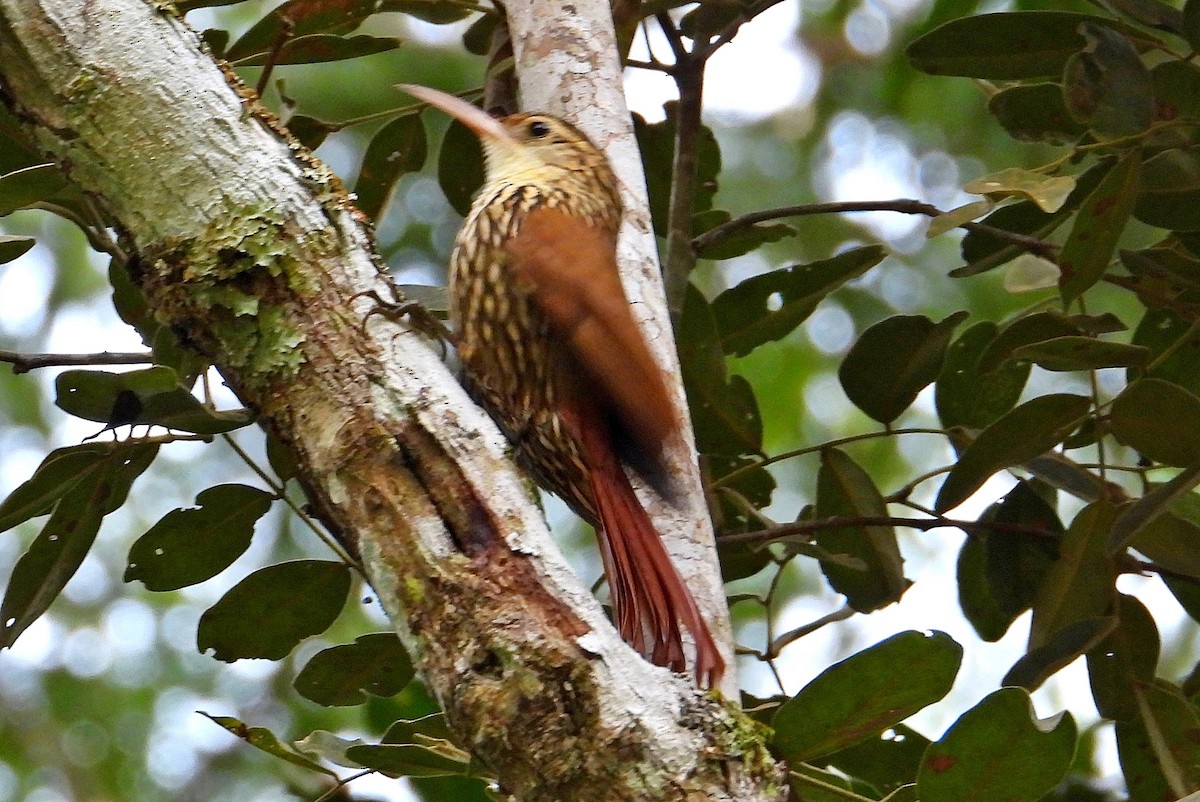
(23, 363)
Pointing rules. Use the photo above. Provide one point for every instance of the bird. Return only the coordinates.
(548, 345)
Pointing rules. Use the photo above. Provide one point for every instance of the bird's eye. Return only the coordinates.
(538, 129)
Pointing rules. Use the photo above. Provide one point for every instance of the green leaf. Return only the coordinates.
(57, 552)
(262, 738)
(320, 48)
(407, 760)
(1191, 23)
(1035, 113)
(1049, 192)
(1127, 657)
(1028, 431)
(1106, 85)
(1152, 13)
(437, 12)
(844, 489)
(997, 752)
(1059, 651)
(1161, 330)
(1171, 540)
(1160, 420)
(28, 185)
(965, 395)
(12, 248)
(1164, 734)
(1030, 329)
(310, 131)
(60, 471)
(188, 546)
(151, 397)
(1098, 227)
(770, 306)
(460, 166)
(298, 18)
(1006, 46)
(656, 142)
(1147, 510)
(866, 693)
(397, 149)
(1169, 191)
(887, 761)
(1016, 564)
(1080, 583)
(269, 612)
(893, 361)
(376, 664)
(1082, 353)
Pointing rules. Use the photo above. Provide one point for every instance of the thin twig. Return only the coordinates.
(1040, 247)
(841, 522)
(23, 363)
(778, 644)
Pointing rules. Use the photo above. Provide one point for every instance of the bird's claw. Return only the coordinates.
(407, 312)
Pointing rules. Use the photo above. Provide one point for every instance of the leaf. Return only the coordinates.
(1059, 651)
(376, 664)
(28, 185)
(887, 761)
(320, 48)
(1160, 420)
(407, 760)
(1080, 583)
(437, 12)
(269, 612)
(1191, 23)
(997, 752)
(12, 247)
(739, 242)
(57, 552)
(893, 361)
(1161, 331)
(1035, 113)
(1030, 430)
(151, 396)
(1169, 539)
(262, 738)
(770, 306)
(845, 489)
(866, 693)
(1098, 226)
(966, 396)
(1127, 657)
(310, 131)
(656, 142)
(1015, 564)
(1082, 353)
(298, 18)
(1106, 85)
(1005, 46)
(1049, 192)
(1169, 190)
(188, 546)
(1036, 328)
(1165, 733)
(60, 471)
(1152, 13)
(460, 166)
(397, 149)
(1146, 510)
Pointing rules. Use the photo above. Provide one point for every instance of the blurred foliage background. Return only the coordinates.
(98, 699)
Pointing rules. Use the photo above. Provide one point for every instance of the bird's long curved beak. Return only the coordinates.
(483, 124)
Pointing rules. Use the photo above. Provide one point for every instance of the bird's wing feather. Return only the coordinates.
(572, 270)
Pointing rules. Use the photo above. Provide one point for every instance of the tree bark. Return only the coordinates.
(252, 251)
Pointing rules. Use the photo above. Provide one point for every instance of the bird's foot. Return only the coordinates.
(408, 312)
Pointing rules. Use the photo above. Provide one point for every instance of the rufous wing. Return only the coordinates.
(572, 269)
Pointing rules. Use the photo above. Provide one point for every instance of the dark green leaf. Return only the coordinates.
(437, 12)
(866, 693)
(1028, 431)
(768, 307)
(57, 552)
(407, 760)
(656, 141)
(269, 612)
(1161, 330)
(282, 459)
(376, 664)
(893, 361)
(1082, 353)
(1191, 23)
(887, 761)
(309, 130)
(28, 185)
(60, 471)
(1036, 328)
(1145, 511)
(1169, 190)
(398, 148)
(1035, 113)
(1080, 584)
(477, 38)
(1016, 564)
(1176, 90)
(965, 395)
(1171, 540)
(739, 242)
(152, 396)
(979, 605)
(321, 47)
(12, 248)
(460, 166)
(191, 545)
(1127, 657)
(1186, 593)
(1161, 743)
(1151, 13)
(1106, 85)
(997, 752)
(1007, 46)
(296, 18)
(812, 784)
(1098, 226)
(1159, 419)
(844, 489)
(262, 738)
(425, 730)
(1059, 651)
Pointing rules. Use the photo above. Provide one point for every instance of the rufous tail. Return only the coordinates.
(650, 600)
